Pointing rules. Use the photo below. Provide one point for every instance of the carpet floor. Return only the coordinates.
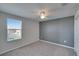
(41, 48)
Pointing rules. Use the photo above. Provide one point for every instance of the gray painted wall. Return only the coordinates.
(76, 32)
(59, 31)
(30, 33)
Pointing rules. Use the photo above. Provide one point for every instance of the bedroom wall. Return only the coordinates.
(30, 32)
(59, 31)
(76, 32)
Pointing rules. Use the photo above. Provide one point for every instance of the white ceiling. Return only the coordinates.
(31, 10)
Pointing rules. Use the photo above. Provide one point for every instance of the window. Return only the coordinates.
(14, 29)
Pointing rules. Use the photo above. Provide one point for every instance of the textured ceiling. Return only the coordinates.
(31, 10)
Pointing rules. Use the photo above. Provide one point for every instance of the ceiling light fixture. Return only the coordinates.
(42, 15)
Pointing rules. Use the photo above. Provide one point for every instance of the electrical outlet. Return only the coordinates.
(65, 41)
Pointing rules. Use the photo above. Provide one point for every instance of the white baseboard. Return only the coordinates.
(57, 44)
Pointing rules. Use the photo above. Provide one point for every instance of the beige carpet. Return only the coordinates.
(41, 48)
